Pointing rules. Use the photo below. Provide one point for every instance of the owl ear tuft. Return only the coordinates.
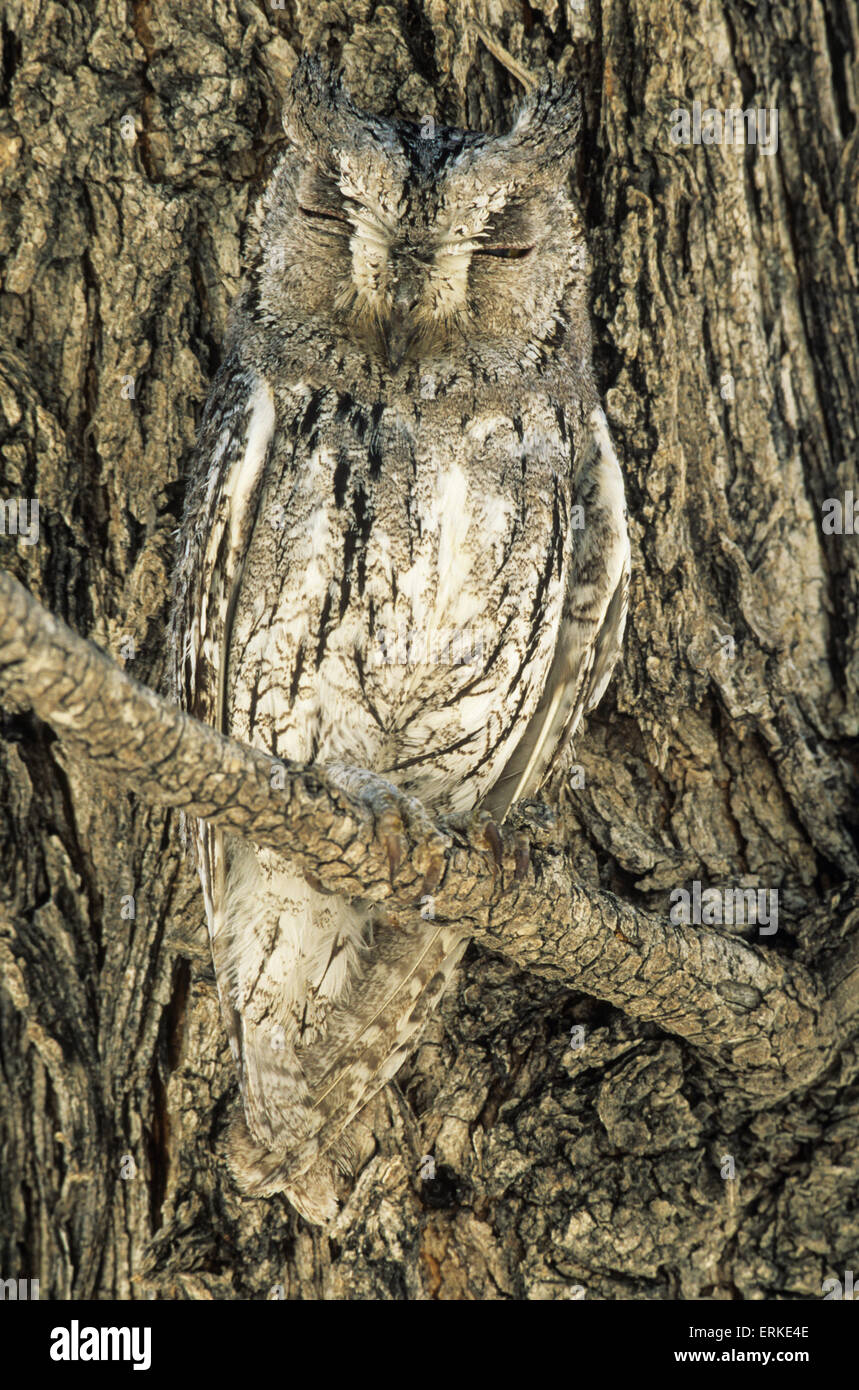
(547, 128)
(317, 112)
(320, 117)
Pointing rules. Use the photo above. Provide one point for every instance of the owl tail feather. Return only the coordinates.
(317, 1194)
(259, 1172)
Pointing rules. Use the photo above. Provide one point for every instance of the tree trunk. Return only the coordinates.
(543, 1141)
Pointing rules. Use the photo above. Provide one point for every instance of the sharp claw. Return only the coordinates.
(432, 878)
(493, 839)
(394, 849)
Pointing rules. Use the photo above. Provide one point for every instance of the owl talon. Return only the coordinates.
(404, 830)
(482, 833)
(390, 828)
(432, 878)
(493, 839)
(394, 846)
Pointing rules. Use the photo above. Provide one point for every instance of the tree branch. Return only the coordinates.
(761, 1018)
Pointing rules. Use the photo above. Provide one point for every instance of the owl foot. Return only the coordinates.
(482, 833)
(402, 824)
(531, 822)
(403, 819)
(526, 823)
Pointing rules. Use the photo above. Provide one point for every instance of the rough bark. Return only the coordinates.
(724, 299)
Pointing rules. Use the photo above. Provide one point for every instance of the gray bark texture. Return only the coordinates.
(615, 1105)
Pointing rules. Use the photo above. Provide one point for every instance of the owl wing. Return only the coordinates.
(369, 1033)
(227, 471)
(368, 1038)
(592, 624)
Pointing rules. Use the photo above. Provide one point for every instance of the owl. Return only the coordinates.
(404, 551)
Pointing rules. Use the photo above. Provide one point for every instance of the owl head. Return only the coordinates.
(410, 240)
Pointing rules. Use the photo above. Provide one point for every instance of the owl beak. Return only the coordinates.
(400, 332)
(399, 337)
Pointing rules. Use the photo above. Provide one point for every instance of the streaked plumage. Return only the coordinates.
(382, 565)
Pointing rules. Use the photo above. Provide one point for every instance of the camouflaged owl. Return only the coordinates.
(404, 550)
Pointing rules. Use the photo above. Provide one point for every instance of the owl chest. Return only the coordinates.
(421, 508)
(405, 578)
